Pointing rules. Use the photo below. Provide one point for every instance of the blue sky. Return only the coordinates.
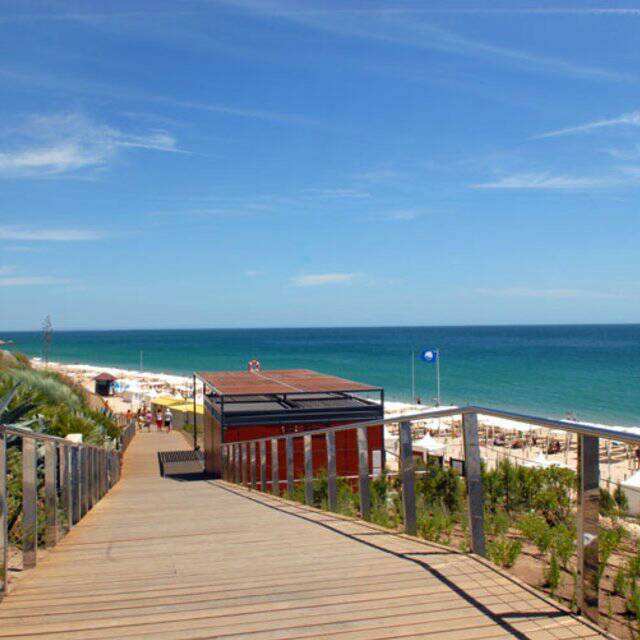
(278, 163)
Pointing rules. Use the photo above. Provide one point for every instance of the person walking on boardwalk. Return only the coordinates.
(147, 419)
(168, 418)
(159, 420)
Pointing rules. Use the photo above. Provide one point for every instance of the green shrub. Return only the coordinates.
(440, 487)
(536, 529)
(436, 526)
(497, 524)
(608, 506)
(621, 499)
(552, 574)
(632, 603)
(621, 582)
(504, 551)
(563, 542)
(608, 541)
(518, 489)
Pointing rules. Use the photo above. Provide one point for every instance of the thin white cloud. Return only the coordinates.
(410, 29)
(336, 193)
(627, 119)
(252, 273)
(48, 235)
(559, 294)
(548, 181)
(88, 87)
(321, 279)
(52, 145)
(6, 269)
(399, 215)
(29, 281)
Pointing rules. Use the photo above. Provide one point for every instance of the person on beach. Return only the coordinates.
(168, 417)
(147, 421)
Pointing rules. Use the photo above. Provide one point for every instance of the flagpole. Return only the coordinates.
(438, 376)
(413, 376)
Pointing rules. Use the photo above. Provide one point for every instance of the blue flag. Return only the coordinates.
(430, 355)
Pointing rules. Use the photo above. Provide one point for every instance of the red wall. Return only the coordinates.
(346, 448)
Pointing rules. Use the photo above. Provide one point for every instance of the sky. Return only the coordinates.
(261, 163)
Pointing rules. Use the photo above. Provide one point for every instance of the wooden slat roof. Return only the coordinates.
(278, 381)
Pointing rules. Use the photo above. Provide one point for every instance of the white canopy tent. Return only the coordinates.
(631, 488)
(427, 444)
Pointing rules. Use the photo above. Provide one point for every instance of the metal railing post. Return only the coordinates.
(332, 476)
(95, 476)
(50, 495)
(263, 465)
(275, 472)
(76, 487)
(236, 463)
(308, 469)
(225, 462)
(474, 482)
(363, 474)
(84, 479)
(408, 479)
(244, 463)
(90, 486)
(587, 525)
(4, 531)
(29, 503)
(252, 457)
(103, 472)
(290, 479)
(65, 484)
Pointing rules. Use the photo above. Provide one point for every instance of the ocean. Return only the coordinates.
(591, 371)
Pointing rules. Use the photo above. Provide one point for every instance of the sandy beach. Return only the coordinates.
(499, 438)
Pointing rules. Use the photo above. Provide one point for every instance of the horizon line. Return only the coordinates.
(327, 327)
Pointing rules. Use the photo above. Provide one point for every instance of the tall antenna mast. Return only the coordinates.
(47, 337)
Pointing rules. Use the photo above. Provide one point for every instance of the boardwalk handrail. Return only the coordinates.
(76, 476)
(239, 466)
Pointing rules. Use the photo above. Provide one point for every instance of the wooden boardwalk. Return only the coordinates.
(170, 559)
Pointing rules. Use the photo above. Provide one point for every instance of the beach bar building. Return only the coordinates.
(248, 405)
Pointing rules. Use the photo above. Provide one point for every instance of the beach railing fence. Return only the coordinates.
(63, 478)
(245, 463)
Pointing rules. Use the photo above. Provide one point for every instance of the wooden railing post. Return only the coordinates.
(308, 469)
(263, 465)
(29, 503)
(408, 479)
(290, 478)
(587, 529)
(252, 458)
(363, 474)
(4, 532)
(50, 495)
(275, 472)
(332, 478)
(473, 472)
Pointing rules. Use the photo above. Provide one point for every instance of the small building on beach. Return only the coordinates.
(104, 383)
(249, 405)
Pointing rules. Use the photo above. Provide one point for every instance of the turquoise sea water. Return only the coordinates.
(592, 371)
